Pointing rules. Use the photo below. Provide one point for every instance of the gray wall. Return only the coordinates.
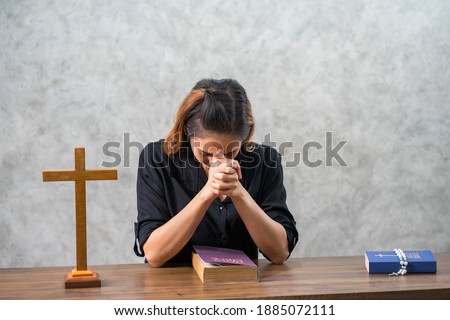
(374, 73)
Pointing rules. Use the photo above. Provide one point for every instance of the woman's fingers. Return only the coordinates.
(223, 187)
(237, 167)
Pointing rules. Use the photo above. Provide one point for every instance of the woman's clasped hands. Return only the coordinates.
(224, 175)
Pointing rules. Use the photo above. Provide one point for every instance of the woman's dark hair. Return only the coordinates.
(219, 106)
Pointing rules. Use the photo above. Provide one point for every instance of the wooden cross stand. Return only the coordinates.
(81, 276)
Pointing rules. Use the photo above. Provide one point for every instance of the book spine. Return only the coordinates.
(413, 267)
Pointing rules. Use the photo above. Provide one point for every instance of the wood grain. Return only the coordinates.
(302, 278)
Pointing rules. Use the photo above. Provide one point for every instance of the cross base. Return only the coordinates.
(82, 279)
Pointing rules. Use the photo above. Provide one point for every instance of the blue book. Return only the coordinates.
(419, 261)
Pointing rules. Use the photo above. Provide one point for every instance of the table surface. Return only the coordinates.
(300, 278)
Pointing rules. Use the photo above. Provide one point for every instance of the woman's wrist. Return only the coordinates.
(239, 193)
(206, 194)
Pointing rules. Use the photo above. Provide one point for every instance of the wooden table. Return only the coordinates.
(302, 278)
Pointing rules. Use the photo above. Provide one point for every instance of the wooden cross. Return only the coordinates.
(81, 276)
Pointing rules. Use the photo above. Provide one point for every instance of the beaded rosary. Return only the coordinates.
(403, 263)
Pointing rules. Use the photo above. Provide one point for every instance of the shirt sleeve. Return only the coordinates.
(151, 199)
(272, 197)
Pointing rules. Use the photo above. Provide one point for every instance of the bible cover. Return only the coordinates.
(419, 261)
(222, 265)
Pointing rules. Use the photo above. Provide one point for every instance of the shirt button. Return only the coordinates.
(220, 207)
(223, 237)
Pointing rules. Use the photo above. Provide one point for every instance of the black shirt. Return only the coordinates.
(165, 185)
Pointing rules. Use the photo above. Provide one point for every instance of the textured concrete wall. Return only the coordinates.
(374, 73)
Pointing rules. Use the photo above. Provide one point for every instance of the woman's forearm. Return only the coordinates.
(268, 235)
(166, 241)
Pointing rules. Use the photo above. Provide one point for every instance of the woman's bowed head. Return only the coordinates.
(215, 122)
